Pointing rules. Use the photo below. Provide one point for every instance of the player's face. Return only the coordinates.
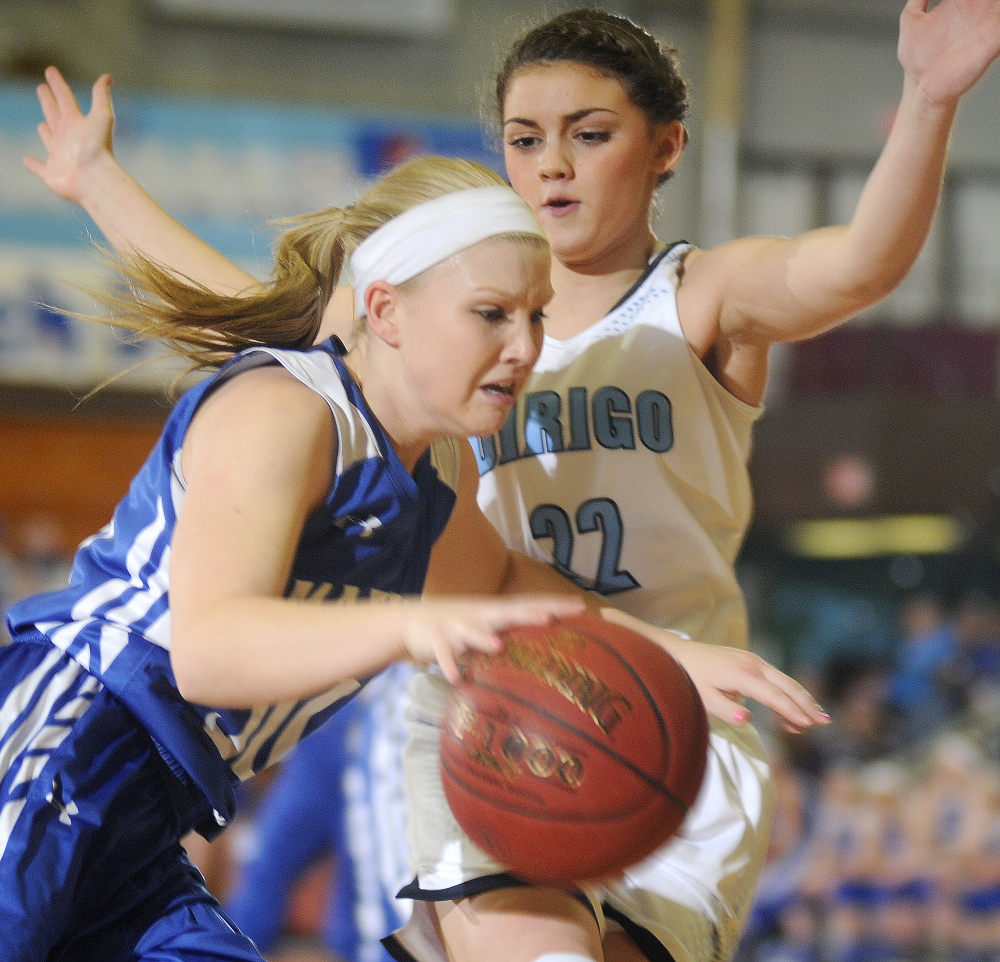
(586, 160)
(471, 330)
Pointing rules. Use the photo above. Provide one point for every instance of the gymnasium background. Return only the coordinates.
(876, 466)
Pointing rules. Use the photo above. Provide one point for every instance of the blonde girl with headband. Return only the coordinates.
(82, 168)
(267, 558)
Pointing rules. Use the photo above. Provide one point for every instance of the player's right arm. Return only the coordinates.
(80, 166)
(253, 476)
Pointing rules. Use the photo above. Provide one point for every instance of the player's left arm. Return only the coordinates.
(80, 166)
(470, 558)
(764, 290)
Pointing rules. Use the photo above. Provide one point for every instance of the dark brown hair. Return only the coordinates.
(613, 46)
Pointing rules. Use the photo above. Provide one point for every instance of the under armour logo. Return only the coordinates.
(368, 525)
(55, 798)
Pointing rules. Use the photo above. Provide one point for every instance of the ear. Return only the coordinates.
(382, 302)
(670, 141)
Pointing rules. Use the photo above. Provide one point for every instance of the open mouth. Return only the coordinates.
(501, 389)
(559, 204)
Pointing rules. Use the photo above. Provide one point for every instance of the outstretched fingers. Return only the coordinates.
(73, 141)
(101, 109)
(534, 610)
(948, 46)
(790, 701)
(724, 676)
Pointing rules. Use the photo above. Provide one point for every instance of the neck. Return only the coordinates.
(381, 398)
(584, 294)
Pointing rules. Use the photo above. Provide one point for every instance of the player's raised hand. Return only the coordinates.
(947, 47)
(75, 142)
(443, 631)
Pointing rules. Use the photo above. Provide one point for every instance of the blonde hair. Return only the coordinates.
(209, 328)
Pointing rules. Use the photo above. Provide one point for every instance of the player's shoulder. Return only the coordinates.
(706, 279)
(265, 386)
(718, 267)
(272, 375)
(264, 408)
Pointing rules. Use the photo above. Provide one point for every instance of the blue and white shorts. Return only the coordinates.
(91, 865)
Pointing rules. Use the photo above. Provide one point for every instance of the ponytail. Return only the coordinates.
(209, 328)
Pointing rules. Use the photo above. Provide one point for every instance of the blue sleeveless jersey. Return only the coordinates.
(370, 539)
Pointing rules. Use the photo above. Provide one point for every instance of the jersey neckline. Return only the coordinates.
(660, 253)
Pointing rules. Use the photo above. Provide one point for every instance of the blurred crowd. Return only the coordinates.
(886, 841)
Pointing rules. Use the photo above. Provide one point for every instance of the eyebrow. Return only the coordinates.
(569, 118)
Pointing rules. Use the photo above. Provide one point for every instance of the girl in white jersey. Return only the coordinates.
(626, 459)
(592, 111)
(185, 655)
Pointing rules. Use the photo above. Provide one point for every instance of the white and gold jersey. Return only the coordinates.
(656, 521)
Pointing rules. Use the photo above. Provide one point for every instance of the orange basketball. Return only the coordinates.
(574, 752)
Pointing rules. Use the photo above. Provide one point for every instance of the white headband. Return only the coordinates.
(435, 230)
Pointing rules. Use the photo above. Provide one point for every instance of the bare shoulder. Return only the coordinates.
(709, 280)
(722, 267)
(264, 392)
(698, 303)
(263, 421)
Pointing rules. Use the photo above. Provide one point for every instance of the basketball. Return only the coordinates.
(573, 752)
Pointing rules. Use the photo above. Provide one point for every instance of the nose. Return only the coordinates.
(524, 343)
(554, 164)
